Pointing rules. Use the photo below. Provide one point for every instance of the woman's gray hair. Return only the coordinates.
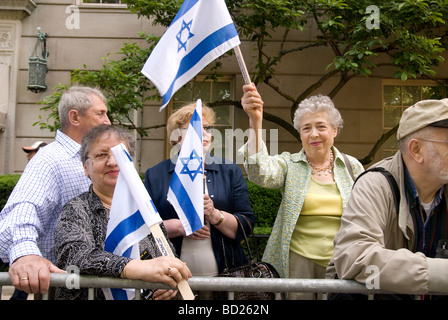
(316, 104)
(96, 132)
(76, 98)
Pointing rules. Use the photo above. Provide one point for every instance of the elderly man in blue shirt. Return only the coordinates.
(54, 176)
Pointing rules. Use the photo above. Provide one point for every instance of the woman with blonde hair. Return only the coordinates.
(226, 198)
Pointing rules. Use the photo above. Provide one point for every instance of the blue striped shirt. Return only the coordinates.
(52, 177)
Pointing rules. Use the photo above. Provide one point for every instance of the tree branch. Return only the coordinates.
(369, 158)
(278, 90)
(310, 89)
(300, 48)
(343, 80)
(266, 116)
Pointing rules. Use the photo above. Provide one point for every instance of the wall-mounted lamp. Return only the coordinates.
(37, 64)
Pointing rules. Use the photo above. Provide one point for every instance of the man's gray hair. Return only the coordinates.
(98, 131)
(316, 104)
(423, 133)
(76, 98)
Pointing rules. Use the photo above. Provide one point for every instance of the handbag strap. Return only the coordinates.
(245, 239)
(348, 165)
(244, 234)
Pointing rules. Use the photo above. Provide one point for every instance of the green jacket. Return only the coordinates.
(292, 174)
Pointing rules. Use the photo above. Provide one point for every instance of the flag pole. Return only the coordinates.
(242, 64)
(147, 209)
(162, 244)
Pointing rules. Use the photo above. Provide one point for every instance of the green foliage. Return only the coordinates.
(405, 26)
(411, 38)
(265, 203)
(50, 103)
(7, 184)
(163, 12)
(121, 81)
(407, 34)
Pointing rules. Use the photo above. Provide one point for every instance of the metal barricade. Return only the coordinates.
(231, 285)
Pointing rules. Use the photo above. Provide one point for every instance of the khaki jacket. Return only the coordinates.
(373, 234)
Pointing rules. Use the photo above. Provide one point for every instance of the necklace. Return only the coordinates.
(325, 170)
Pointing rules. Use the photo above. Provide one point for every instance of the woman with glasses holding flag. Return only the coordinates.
(80, 232)
(217, 245)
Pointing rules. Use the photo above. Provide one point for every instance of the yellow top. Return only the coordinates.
(318, 223)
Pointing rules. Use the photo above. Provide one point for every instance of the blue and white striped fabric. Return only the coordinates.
(131, 214)
(186, 192)
(202, 31)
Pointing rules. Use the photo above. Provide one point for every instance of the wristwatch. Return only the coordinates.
(221, 218)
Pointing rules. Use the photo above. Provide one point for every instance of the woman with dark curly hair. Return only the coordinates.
(81, 229)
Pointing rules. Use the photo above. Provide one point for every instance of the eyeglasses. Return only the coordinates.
(432, 140)
(207, 129)
(101, 157)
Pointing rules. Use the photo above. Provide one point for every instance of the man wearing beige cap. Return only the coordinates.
(32, 150)
(402, 251)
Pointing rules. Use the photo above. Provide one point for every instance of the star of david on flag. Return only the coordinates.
(192, 165)
(202, 31)
(184, 33)
(186, 191)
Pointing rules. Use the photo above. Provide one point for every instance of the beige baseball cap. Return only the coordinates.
(424, 113)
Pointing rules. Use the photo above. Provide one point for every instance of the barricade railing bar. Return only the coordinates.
(231, 285)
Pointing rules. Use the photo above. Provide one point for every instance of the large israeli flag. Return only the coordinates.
(186, 191)
(201, 32)
(132, 213)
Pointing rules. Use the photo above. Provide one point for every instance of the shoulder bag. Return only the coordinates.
(252, 269)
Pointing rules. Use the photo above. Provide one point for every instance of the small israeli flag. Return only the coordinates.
(202, 31)
(186, 192)
(132, 213)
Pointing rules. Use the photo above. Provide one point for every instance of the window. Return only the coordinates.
(399, 95)
(209, 91)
